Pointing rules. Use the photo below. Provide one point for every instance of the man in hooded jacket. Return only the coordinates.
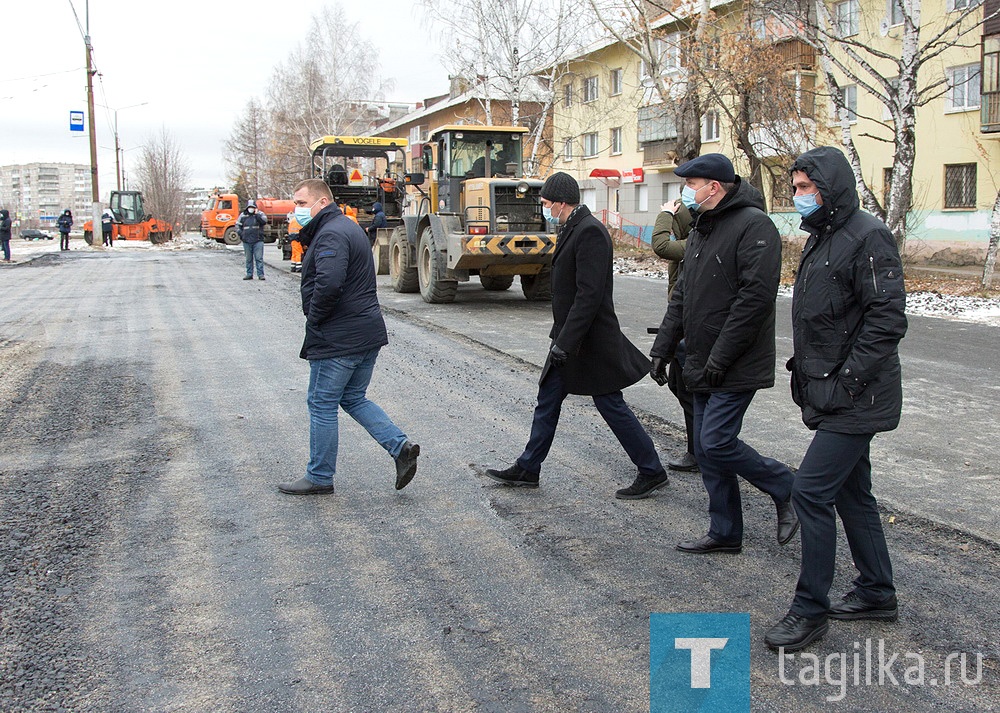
(5, 226)
(250, 228)
(847, 320)
(378, 221)
(723, 307)
(64, 222)
(589, 355)
(344, 333)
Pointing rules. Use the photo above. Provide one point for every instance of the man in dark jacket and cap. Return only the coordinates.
(847, 320)
(64, 222)
(723, 307)
(589, 355)
(5, 225)
(250, 228)
(344, 333)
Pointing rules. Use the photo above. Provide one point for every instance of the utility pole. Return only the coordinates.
(95, 194)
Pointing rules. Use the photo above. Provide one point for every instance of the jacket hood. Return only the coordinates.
(4, 214)
(830, 170)
(376, 207)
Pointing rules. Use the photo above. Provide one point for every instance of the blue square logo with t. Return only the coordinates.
(699, 662)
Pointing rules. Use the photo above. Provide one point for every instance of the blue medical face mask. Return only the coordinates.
(304, 215)
(806, 204)
(688, 197)
(547, 214)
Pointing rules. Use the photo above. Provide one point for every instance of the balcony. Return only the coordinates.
(796, 53)
(990, 114)
(659, 153)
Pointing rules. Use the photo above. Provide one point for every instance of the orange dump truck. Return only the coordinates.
(218, 220)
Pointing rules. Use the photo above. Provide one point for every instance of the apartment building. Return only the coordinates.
(36, 193)
(614, 132)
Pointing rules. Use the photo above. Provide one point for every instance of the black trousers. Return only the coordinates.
(675, 382)
(836, 473)
(63, 241)
(722, 456)
(613, 409)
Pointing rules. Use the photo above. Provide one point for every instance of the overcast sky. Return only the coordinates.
(194, 63)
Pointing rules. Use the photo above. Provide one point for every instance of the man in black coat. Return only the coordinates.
(589, 354)
(723, 307)
(344, 333)
(847, 320)
(250, 228)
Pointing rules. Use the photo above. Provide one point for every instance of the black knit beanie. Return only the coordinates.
(561, 188)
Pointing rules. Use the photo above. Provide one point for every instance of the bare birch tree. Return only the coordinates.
(901, 81)
(161, 175)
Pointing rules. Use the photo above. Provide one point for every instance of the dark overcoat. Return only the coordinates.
(601, 359)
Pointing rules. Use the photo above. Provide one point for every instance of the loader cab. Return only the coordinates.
(465, 153)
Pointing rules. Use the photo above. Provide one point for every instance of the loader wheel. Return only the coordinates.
(402, 271)
(537, 287)
(88, 237)
(230, 237)
(380, 254)
(496, 283)
(432, 267)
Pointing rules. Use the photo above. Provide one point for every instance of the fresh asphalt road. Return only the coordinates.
(151, 400)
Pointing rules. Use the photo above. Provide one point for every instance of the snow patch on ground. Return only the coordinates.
(965, 309)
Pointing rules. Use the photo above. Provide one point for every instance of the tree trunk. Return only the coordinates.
(991, 252)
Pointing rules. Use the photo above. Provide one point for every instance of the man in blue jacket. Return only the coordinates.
(378, 221)
(848, 316)
(64, 222)
(250, 228)
(344, 333)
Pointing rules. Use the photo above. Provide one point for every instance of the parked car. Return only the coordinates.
(35, 234)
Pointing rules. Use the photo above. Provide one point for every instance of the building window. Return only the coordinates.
(886, 113)
(588, 197)
(616, 141)
(418, 134)
(568, 95)
(849, 97)
(962, 4)
(895, 12)
(656, 123)
(668, 54)
(781, 191)
(589, 89)
(710, 126)
(886, 185)
(963, 87)
(590, 145)
(642, 198)
(960, 185)
(616, 82)
(568, 150)
(845, 18)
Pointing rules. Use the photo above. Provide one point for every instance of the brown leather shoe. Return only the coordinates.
(304, 486)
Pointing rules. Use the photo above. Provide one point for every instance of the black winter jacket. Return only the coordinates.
(249, 227)
(848, 309)
(64, 223)
(601, 359)
(723, 304)
(5, 225)
(338, 289)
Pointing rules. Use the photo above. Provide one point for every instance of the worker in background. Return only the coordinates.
(351, 212)
(107, 228)
(669, 239)
(250, 228)
(64, 222)
(5, 226)
(378, 221)
(297, 247)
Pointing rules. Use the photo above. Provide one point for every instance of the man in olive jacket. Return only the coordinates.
(344, 333)
(589, 354)
(848, 316)
(669, 240)
(723, 306)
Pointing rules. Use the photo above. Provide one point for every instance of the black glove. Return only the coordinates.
(714, 375)
(658, 370)
(557, 356)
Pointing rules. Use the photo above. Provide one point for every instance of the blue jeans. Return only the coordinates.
(254, 254)
(722, 456)
(342, 382)
(836, 473)
(6, 249)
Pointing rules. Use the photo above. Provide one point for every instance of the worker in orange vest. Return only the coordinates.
(297, 247)
(350, 211)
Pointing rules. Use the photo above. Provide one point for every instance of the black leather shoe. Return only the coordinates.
(406, 464)
(708, 544)
(643, 486)
(304, 486)
(788, 522)
(685, 463)
(854, 606)
(248, 277)
(795, 632)
(515, 475)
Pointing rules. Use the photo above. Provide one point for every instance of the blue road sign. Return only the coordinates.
(76, 121)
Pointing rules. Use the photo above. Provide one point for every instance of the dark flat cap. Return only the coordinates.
(713, 166)
(561, 188)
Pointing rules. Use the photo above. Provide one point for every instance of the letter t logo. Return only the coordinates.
(701, 658)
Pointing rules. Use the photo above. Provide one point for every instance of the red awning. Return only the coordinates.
(605, 173)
